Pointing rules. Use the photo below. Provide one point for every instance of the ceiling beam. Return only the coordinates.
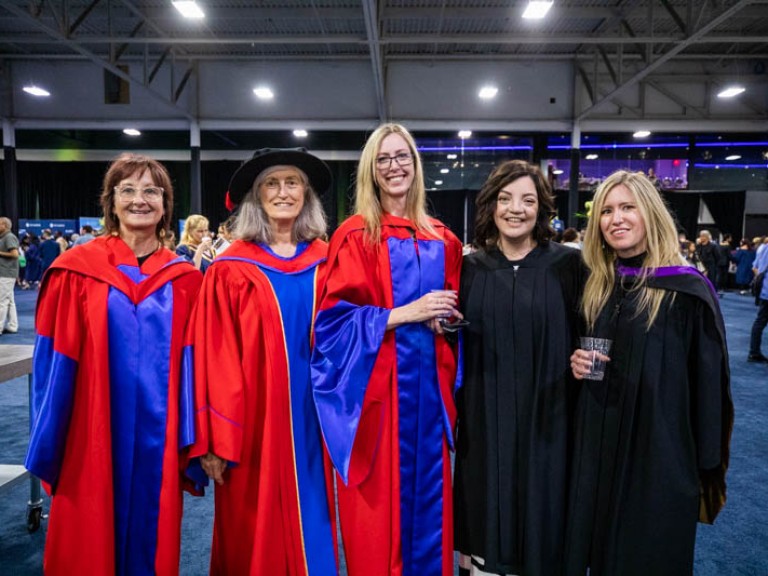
(502, 39)
(698, 35)
(374, 50)
(75, 46)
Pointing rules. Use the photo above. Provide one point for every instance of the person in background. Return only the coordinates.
(384, 373)
(61, 241)
(761, 320)
(110, 392)
(709, 255)
(259, 437)
(86, 235)
(652, 437)
(49, 249)
(744, 258)
(520, 293)
(571, 238)
(224, 237)
(9, 272)
(195, 243)
(34, 271)
(724, 250)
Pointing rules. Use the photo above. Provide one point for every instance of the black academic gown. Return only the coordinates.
(511, 459)
(651, 439)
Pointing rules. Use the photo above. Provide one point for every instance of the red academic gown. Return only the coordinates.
(385, 398)
(108, 408)
(252, 333)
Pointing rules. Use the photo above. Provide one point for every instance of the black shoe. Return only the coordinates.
(757, 358)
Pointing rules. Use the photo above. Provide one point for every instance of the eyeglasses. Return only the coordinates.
(402, 159)
(291, 183)
(150, 193)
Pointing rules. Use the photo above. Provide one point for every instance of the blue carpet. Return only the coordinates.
(736, 545)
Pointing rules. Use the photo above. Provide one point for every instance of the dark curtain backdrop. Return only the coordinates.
(727, 209)
(448, 207)
(685, 210)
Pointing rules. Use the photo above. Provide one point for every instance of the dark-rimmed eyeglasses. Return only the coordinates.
(402, 159)
(150, 193)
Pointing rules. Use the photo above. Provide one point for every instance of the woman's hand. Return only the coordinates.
(214, 467)
(432, 306)
(581, 362)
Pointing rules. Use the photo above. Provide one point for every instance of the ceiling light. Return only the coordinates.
(438, 182)
(591, 156)
(557, 172)
(537, 9)
(189, 9)
(642, 134)
(263, 93)
(36, 90)
(733, 157)
(452, 156)
(731, 91)
(131, 132)
(488, 92)
(464, 134)
(444, 171)
(300, 133)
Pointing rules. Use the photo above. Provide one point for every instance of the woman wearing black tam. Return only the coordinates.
(257, 432)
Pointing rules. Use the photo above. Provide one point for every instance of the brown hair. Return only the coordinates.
(486, 233)
(121, 168)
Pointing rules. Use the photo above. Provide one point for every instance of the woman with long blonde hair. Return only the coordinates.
(195, 244)
(652, 436)
(384, 372)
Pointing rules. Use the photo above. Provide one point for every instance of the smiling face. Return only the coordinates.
(282, 196)
(621, 223)
(394, 169)
(517, 207)
(138, 213)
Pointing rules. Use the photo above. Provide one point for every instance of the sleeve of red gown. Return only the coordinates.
(217, 372)
(348, 336)
(58, 326)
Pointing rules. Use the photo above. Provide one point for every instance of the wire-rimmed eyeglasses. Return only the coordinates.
(402, 159)
(150, 193)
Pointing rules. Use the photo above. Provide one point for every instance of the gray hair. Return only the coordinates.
(6, 221)
(252, 224)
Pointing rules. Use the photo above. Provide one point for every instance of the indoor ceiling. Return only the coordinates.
(611, 46)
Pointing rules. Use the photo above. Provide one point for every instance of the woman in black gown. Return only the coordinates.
(651, 438)
(520, 293)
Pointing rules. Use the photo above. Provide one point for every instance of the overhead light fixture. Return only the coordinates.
(464, 134)
(131, 132)
(642, 134)
(731, 91)
(452, 156)
(488, 92)
(733, 157)
(537, 9)
(591, 156)
(438, 182)
(557, 172)
(263, 93)
(189, 9)
(36, 91)
(300, 133)
(444, 171)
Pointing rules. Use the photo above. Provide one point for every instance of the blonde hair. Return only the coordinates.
(662, 247)
(193, 222)
(367, 193)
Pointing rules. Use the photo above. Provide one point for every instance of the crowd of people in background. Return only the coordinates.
(288, 370)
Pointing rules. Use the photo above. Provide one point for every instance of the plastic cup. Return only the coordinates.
(596, 345)
(449, 292)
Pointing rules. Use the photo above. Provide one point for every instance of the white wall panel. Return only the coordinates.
(448, 91)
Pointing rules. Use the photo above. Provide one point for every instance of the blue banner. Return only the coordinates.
(66, 227)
